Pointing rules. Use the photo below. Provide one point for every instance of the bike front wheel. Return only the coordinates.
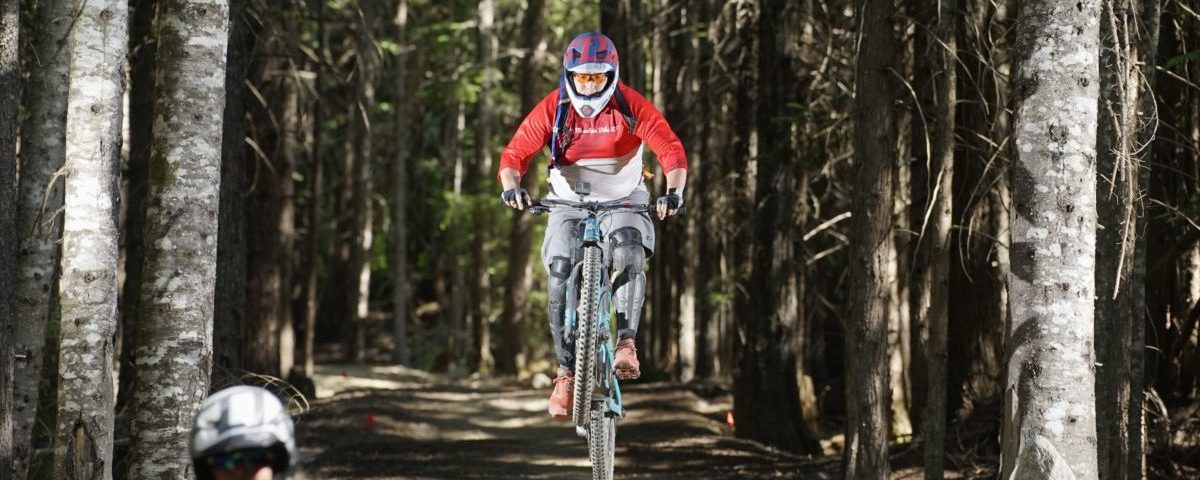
(602, 444)
(585, 335)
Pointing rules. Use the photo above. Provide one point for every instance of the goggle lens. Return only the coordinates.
(251, 459)
(590, 77)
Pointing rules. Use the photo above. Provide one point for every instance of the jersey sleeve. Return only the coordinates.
(531, 136)
(653, 129)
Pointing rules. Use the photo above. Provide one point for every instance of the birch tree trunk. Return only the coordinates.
(1049, 428)
(88, 288)
(175, 335)
(10, 78)
(38, 227)
(870, 249)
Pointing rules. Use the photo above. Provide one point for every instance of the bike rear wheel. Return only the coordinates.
(602, 443)
(585, 335)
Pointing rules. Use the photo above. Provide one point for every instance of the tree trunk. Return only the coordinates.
(766, 393)
(1136, 462)
(932, 186)
(10, 79)
(358, 281)
(518, 279)
(269, 206)
(175, 335)
(1117, 188)
(870, 247)
(316, 198)
(229, 324)
(401, 353)
(487, 44)
(624, 22)
(38, 227)
(978, 248)
(1049, 428)
(88, 288)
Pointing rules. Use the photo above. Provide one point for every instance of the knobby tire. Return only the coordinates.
(585, 335)
(602, 441)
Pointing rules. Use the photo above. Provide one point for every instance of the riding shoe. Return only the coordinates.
(626, 364)
(563, 395)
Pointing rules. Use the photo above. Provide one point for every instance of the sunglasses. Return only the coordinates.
(590, 77)
(251, 459)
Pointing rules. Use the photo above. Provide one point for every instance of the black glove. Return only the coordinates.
(516, 198)
(669, 204)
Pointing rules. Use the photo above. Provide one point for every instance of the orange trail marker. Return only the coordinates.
(729, 418)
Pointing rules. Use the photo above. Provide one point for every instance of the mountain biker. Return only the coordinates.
(596, 155)
(243, 433)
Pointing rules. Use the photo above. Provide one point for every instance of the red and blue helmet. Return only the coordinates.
(591, 52)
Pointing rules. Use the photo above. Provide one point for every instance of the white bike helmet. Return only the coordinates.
(590, 52)
(243, 417)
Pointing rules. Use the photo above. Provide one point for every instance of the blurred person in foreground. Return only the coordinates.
(243, 433)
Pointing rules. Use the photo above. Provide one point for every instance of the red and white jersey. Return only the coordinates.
(602, 153)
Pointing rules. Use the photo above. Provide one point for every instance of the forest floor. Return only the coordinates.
(373, 422)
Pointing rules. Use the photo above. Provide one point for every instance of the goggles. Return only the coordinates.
(251, 459)
(589, 77)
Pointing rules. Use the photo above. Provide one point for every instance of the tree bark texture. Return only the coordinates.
(1136, 462)
(766, 392)
(88, 287)
(229, 322)
(1049, 428)
(932, 188)
(268, 207)
(174, 350)
(870, 247)
(38, 225)
(1117, 195)
(10, 79)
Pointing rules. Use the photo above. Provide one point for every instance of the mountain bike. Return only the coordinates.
(597, 400)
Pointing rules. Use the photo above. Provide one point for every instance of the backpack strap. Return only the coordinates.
(561, 112)
(630, 120)
(560, 139)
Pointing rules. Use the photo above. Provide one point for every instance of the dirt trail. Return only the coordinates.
(390, 422)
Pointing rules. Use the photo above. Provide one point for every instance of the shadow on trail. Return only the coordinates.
(425, 427)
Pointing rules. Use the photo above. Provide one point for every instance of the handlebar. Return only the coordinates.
(543, 205)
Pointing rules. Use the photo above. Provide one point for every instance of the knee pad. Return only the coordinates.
(560, 271)
(628, 254)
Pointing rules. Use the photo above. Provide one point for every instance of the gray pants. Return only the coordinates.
(629, 240)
